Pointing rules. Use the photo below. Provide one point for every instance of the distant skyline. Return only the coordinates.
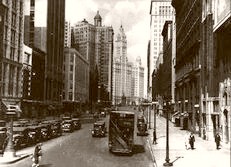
(132, 14)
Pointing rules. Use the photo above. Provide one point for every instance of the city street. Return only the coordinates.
(82, 150)
(205, 153)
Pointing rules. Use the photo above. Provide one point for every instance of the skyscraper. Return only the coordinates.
(160, 11)
(122, 69)
(95, 43)
(55, 50)
(137, 81)
(104, 53)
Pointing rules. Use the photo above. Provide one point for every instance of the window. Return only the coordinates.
(71, 67)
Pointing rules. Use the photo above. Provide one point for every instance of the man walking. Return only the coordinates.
(191, 140)
(217, 140)
(37, 155)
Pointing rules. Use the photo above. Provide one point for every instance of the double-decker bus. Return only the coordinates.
(121, 132)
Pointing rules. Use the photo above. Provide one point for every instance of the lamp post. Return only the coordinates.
(9, 150)
(167, 163)
(149, 113)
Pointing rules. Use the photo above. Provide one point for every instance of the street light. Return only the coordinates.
(167, 163)
(9, 150)
(154, 109)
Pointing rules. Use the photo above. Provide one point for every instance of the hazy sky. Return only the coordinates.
(132, 14)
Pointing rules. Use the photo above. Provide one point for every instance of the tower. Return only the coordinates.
(55, 50)
(98, 20)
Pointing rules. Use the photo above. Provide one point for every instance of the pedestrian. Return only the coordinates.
(191, 140)
(217, 140)
(37, 155)
(186, 141)
(154, 137)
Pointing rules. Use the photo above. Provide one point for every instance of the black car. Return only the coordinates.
(20, 137)
(99, 129)
(77, 123)
(67, 126)
(3, 135)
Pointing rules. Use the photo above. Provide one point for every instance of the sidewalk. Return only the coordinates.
(21, 154)
(205, 153)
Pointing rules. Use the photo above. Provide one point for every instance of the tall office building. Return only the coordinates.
(55, 51)
(95, 43)
(160, 11)
(137, 81)
(104, 53)
(11, 51)
(122, 70)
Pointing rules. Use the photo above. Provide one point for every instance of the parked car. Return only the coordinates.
(57, 129)
(35, 134)
(99, 129)
(20, 136)
(77, 123)
(68, 126)
(3, 135)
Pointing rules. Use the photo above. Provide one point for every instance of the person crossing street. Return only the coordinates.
(217, 140)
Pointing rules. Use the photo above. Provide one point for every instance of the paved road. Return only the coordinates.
(80, 149)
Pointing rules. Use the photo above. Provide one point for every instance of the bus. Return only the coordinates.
(121, 132)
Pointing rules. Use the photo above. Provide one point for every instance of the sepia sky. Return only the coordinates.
(132, 14)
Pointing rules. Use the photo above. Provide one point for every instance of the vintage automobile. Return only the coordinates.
(35, 134)
(67, 126)
(46, 128)
(20, 137)
(56, 129)
(3, 136)
(99, 129)
(77, 123)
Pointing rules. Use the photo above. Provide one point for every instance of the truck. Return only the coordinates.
(121, 132)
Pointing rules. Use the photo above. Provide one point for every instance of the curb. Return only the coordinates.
(13, 160)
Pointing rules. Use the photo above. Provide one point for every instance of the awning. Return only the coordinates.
(215, 113)
(8, 106)
(184, 114)
(176, 114)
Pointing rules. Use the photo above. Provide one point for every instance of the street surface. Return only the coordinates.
(82, 150)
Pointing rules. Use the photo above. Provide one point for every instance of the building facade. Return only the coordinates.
(95, 43)
(160, 11)
(128, 78)
(67, 35)
(216, 106)
(203, 66)
(11, 45)
(55, 52)
(137, 81)
(122, 70)
(188, 62)
(76, 72)
(104, 54)
(40, 38)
